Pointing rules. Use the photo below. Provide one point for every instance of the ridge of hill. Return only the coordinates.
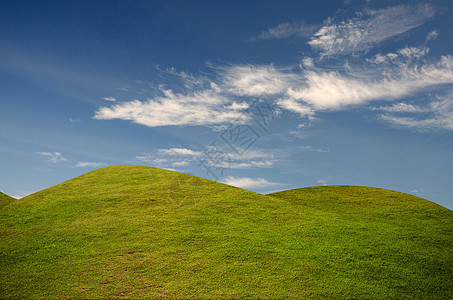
(141, 232)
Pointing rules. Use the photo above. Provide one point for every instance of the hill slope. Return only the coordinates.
(131, 231)
(5, 200)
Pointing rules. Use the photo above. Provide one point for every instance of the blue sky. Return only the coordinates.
(263, 95)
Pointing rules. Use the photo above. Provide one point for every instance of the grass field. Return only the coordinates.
(5, 200)
(140, 232)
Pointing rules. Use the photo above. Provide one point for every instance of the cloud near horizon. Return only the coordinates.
(89, 164)
(250, 183)
(181, 157)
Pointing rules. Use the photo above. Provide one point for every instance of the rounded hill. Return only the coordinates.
(141, 232)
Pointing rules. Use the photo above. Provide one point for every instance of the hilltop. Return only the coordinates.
(132, 231)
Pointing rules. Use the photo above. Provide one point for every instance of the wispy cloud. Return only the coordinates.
(391, 76)
(255, 80)
(437, 114)
(285, 31)
(178, 152)
(182, 163)
(402, 108)
(318, 85)
(203, 107)
(251, 164)
(312, 149)
(418, 191)
(152, 159)
(54, 157)
(76, 120)
(89, 164)
(368, 28)
(109, 99)
(432, 35)
(322, 181)
(328, 90)
(178, 157)
(249, 183)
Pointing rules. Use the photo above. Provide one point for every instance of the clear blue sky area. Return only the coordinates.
(263, 95)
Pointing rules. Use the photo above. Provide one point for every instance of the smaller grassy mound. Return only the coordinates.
(378, 243)
(5, 200)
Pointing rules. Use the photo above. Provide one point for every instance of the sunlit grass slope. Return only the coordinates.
(377, 243)
(131, 231)
(5, 200)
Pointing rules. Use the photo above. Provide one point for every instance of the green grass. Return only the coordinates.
(140, 232)
(5, 200)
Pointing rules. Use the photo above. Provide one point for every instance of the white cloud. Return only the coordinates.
(252, 154)
(109, 99)
(249, 183)
(255, 80)
(385, 77)
(285, 31)
(76, 120)
(437, 114)
(225, 97)
(368, 28)
(312, 149)
(54, 157)
(177, 157)
(149, 158)
(388, 77)
(189, 80)
(250, 164)
(402, 108)
(89, 164)
(432, 35)
(413, 52)
(180, 163)
(196, 108)
(334, 90)
(322, 181)
(179, 152)
(248, 159)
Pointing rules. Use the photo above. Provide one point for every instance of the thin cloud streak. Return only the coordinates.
(436, 115)
(368, 28)
(285, 31)
(54, 157)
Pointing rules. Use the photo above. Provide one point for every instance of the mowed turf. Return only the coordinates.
(140, 232)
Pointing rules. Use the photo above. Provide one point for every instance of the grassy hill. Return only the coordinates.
(5, 200)
(131, 231)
